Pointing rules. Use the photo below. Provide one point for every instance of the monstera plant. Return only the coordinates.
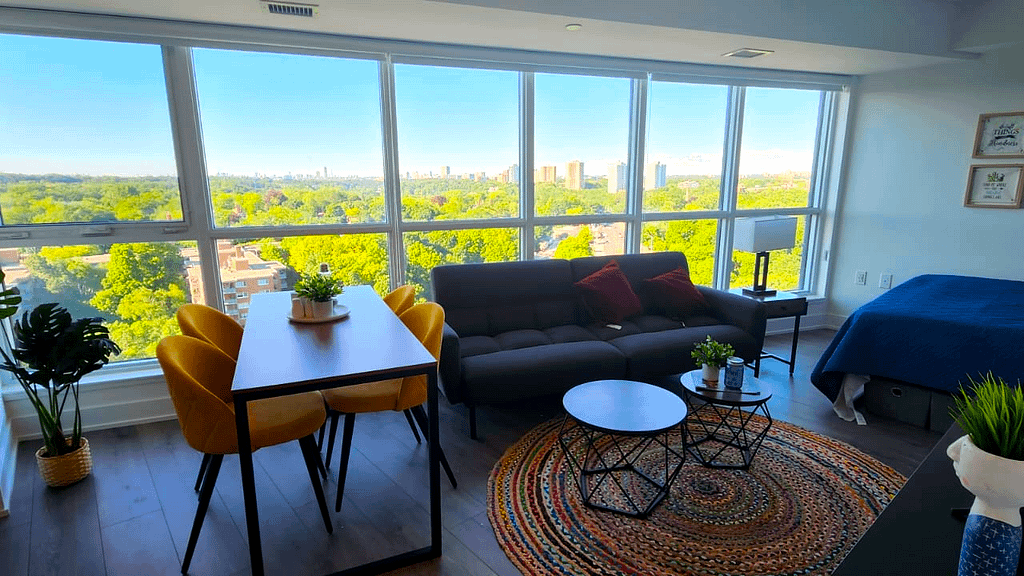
(50, 354)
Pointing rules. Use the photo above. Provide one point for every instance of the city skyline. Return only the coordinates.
(98, 108)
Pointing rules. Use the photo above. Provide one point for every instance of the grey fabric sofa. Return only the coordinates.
(518, 330)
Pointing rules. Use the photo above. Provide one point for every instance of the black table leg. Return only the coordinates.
(252, 520)
(792, 352)
(435, 465)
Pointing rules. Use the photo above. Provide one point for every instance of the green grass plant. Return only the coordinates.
(711, 352)
(993, 415)
(318, 287)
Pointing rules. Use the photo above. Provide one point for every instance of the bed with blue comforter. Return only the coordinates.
(933, 331)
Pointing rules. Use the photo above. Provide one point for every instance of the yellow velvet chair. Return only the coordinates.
(400, 299)
(426, 321)
(199, 381)
(213, 327)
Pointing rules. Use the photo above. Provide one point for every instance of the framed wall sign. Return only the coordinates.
(1000, 135)
(995, 186)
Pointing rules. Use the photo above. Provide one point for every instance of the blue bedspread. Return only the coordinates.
(933, 331)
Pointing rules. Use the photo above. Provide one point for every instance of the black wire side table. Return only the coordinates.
(721, 433)
(618, 438)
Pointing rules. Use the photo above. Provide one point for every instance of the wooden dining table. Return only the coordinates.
(280, 357)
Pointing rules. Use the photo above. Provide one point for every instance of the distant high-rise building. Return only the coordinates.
(545, 174)
(325, 171)
(446, 171)
(574, 175)
(513, 173)
(616, 177)
(480, 176)
(654, 175)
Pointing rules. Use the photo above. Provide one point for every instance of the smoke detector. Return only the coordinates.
(291, 9)
(748, 53)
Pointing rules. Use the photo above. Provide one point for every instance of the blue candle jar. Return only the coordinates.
(734, 373)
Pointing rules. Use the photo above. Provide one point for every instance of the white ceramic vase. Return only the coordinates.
(709, 374)
(992, 534)
(321, 309)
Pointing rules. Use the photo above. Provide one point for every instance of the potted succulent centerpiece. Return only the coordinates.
(989, 460)
(317, 292)
(50, 354)
(711, 355)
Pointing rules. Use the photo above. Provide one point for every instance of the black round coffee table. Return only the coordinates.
(719, 427)
(616, 435)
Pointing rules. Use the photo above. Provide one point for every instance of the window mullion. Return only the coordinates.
(729, 184)
(528, 239)
(635, 188)
(195, 186)
(392, 181)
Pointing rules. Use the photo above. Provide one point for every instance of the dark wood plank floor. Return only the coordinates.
(132, 516)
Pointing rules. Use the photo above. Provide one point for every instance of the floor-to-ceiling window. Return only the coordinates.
(136, 177)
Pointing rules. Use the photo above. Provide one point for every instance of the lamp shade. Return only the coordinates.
(764, 234)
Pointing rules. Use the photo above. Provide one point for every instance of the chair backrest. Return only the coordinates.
(400, 299)
(199, 381)
(426, 321)
(211, 326)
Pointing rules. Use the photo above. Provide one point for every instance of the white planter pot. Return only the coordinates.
(321, 309)
(998, 487)
(710, 374)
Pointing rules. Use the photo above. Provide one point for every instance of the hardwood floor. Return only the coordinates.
(132, 516)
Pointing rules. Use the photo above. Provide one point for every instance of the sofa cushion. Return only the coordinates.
(475, 345)
(653, 354)
(674, 295)
(515, 339)
(570, 333)
(701, 320)
(539, 370)
(608, 295)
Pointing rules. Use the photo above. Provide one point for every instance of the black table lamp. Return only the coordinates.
(760, 236)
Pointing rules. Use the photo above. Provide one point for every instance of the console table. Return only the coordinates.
(780, 305)
(916, 534)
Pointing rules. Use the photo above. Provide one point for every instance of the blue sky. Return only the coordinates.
(75, 106)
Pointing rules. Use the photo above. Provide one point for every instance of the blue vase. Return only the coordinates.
(991, 547)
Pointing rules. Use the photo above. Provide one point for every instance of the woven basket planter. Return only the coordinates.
(65, 469)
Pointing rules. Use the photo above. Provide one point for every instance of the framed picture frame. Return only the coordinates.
(1000, 135)
(995, 186)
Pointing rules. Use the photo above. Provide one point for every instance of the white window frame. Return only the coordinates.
(178, 38)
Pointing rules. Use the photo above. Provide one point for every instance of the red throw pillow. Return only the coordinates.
(674, 294)
(608, 295)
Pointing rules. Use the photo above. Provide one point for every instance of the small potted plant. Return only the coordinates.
(711, 355)
(51, 353)
(989, 460)
(318, 290)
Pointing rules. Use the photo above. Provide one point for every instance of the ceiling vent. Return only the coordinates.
(291, 9)
(748, 53)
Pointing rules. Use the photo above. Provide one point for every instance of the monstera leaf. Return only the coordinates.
(53, 348)
(9, 300)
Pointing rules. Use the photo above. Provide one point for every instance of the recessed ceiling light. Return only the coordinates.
(573, 27)
(748, 53)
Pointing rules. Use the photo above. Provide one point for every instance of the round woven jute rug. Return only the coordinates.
(802, 505)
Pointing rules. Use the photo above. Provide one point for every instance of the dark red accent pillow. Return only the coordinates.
(608, 295)
(674, 295)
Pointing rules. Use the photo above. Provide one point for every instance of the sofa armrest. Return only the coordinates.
(449, 367)
(745, 313)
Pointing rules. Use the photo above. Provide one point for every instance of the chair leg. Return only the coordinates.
(212, 471)
(421, 419)
(472, 421)
(311, 455)
(320, 438)
(330, 437)
(202, 471)
(346, 449)
(320, 464)
(415, 432)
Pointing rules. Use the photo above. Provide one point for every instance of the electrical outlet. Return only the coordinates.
(885, 281)
(862, 278)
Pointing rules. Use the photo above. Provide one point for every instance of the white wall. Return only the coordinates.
(909, 151)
